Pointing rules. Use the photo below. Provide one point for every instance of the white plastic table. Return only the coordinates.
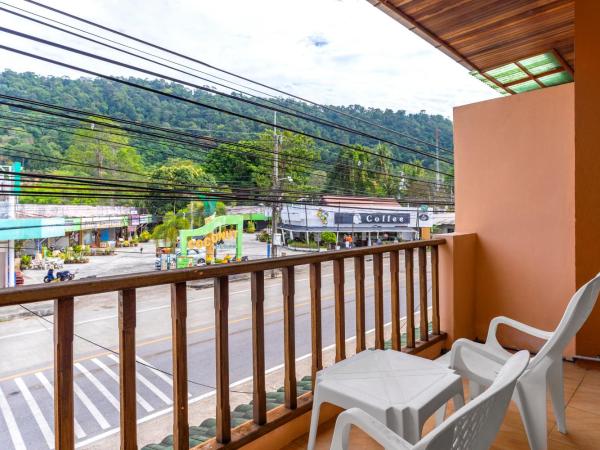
(398, 389)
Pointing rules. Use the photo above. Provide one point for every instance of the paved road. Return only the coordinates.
(26, 416)
(131, 260)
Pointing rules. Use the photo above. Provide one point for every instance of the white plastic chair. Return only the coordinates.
(473, 427)
(480, 362)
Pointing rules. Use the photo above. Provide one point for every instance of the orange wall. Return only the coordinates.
(457, 282)
(515, 165)
(587, 162)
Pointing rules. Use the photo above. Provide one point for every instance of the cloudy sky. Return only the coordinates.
(332, 51)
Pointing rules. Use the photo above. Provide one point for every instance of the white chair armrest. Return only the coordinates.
(481, 349)
(493, 339)
(378, 431)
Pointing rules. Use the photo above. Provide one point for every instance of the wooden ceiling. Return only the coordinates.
(485, 34)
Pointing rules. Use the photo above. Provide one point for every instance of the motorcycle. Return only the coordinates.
(63, 275)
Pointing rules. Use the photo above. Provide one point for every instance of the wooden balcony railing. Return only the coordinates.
(63, 295)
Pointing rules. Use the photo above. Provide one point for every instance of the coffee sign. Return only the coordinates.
(372, 218)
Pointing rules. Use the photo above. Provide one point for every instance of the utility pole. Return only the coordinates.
(275, 207)
(437, 161)
(192, 214)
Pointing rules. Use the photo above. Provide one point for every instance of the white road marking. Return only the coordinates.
(37, 413)
(40, 376)
(158, 373)
(91, 407)
(13, 429)
(143, 403)
(208, 394)
(160, 394)
(111, 398)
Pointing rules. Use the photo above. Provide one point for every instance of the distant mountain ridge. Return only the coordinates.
(111, 98)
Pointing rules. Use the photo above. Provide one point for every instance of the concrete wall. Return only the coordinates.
(587, 163)
(515, 188)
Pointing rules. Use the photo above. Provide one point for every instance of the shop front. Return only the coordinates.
(354, 225)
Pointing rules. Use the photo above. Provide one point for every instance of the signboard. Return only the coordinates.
(211, 239)
(372, 218)
(425, 219)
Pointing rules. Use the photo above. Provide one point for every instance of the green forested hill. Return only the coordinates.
(114, 99)
(111, 98)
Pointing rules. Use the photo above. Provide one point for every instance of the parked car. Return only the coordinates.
(198, 258)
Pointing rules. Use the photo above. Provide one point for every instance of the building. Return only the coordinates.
(98, 226)
(37, 226)
(366, 219)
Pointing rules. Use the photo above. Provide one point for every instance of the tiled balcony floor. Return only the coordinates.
(582, 394)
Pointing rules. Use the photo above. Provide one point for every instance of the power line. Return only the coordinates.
(112, 30)
(127, 184)
(170, 95)
(170, 194)
(178, 133)
(296, 113)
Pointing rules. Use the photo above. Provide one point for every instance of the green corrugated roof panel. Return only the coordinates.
(540, 63)
(488, 82)
(529, 85)
(556, 78)
(507, 74)
(535, 65)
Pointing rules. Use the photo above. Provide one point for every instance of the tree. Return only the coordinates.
(385, 182)
(104, 149)
(349, 172)
(328, 237)
(168, 230)
(221, 209)
(112, 98)
(194, 212)
(250, 163)
(175, 175)
(412, 191)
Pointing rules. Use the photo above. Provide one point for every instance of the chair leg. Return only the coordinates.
(314, 420)
(440, 414)
(341, 436)
(531, 400)
(474, 389)
(555, 385)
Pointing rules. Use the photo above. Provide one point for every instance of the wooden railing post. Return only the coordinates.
(315, 320)
(359, 288)
(259, 397)
(424, 322)
(340, 313)
(435, 291)
(395, 298)
(410, 297)
(181, 431)
(289, 347)
(64, 436)
(378, 299)
(127, 369)
(222, 352)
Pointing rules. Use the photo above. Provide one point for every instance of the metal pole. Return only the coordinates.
(275, 210)
(192, 214)
(437, 161)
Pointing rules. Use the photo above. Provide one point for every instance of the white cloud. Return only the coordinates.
(331, 51)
